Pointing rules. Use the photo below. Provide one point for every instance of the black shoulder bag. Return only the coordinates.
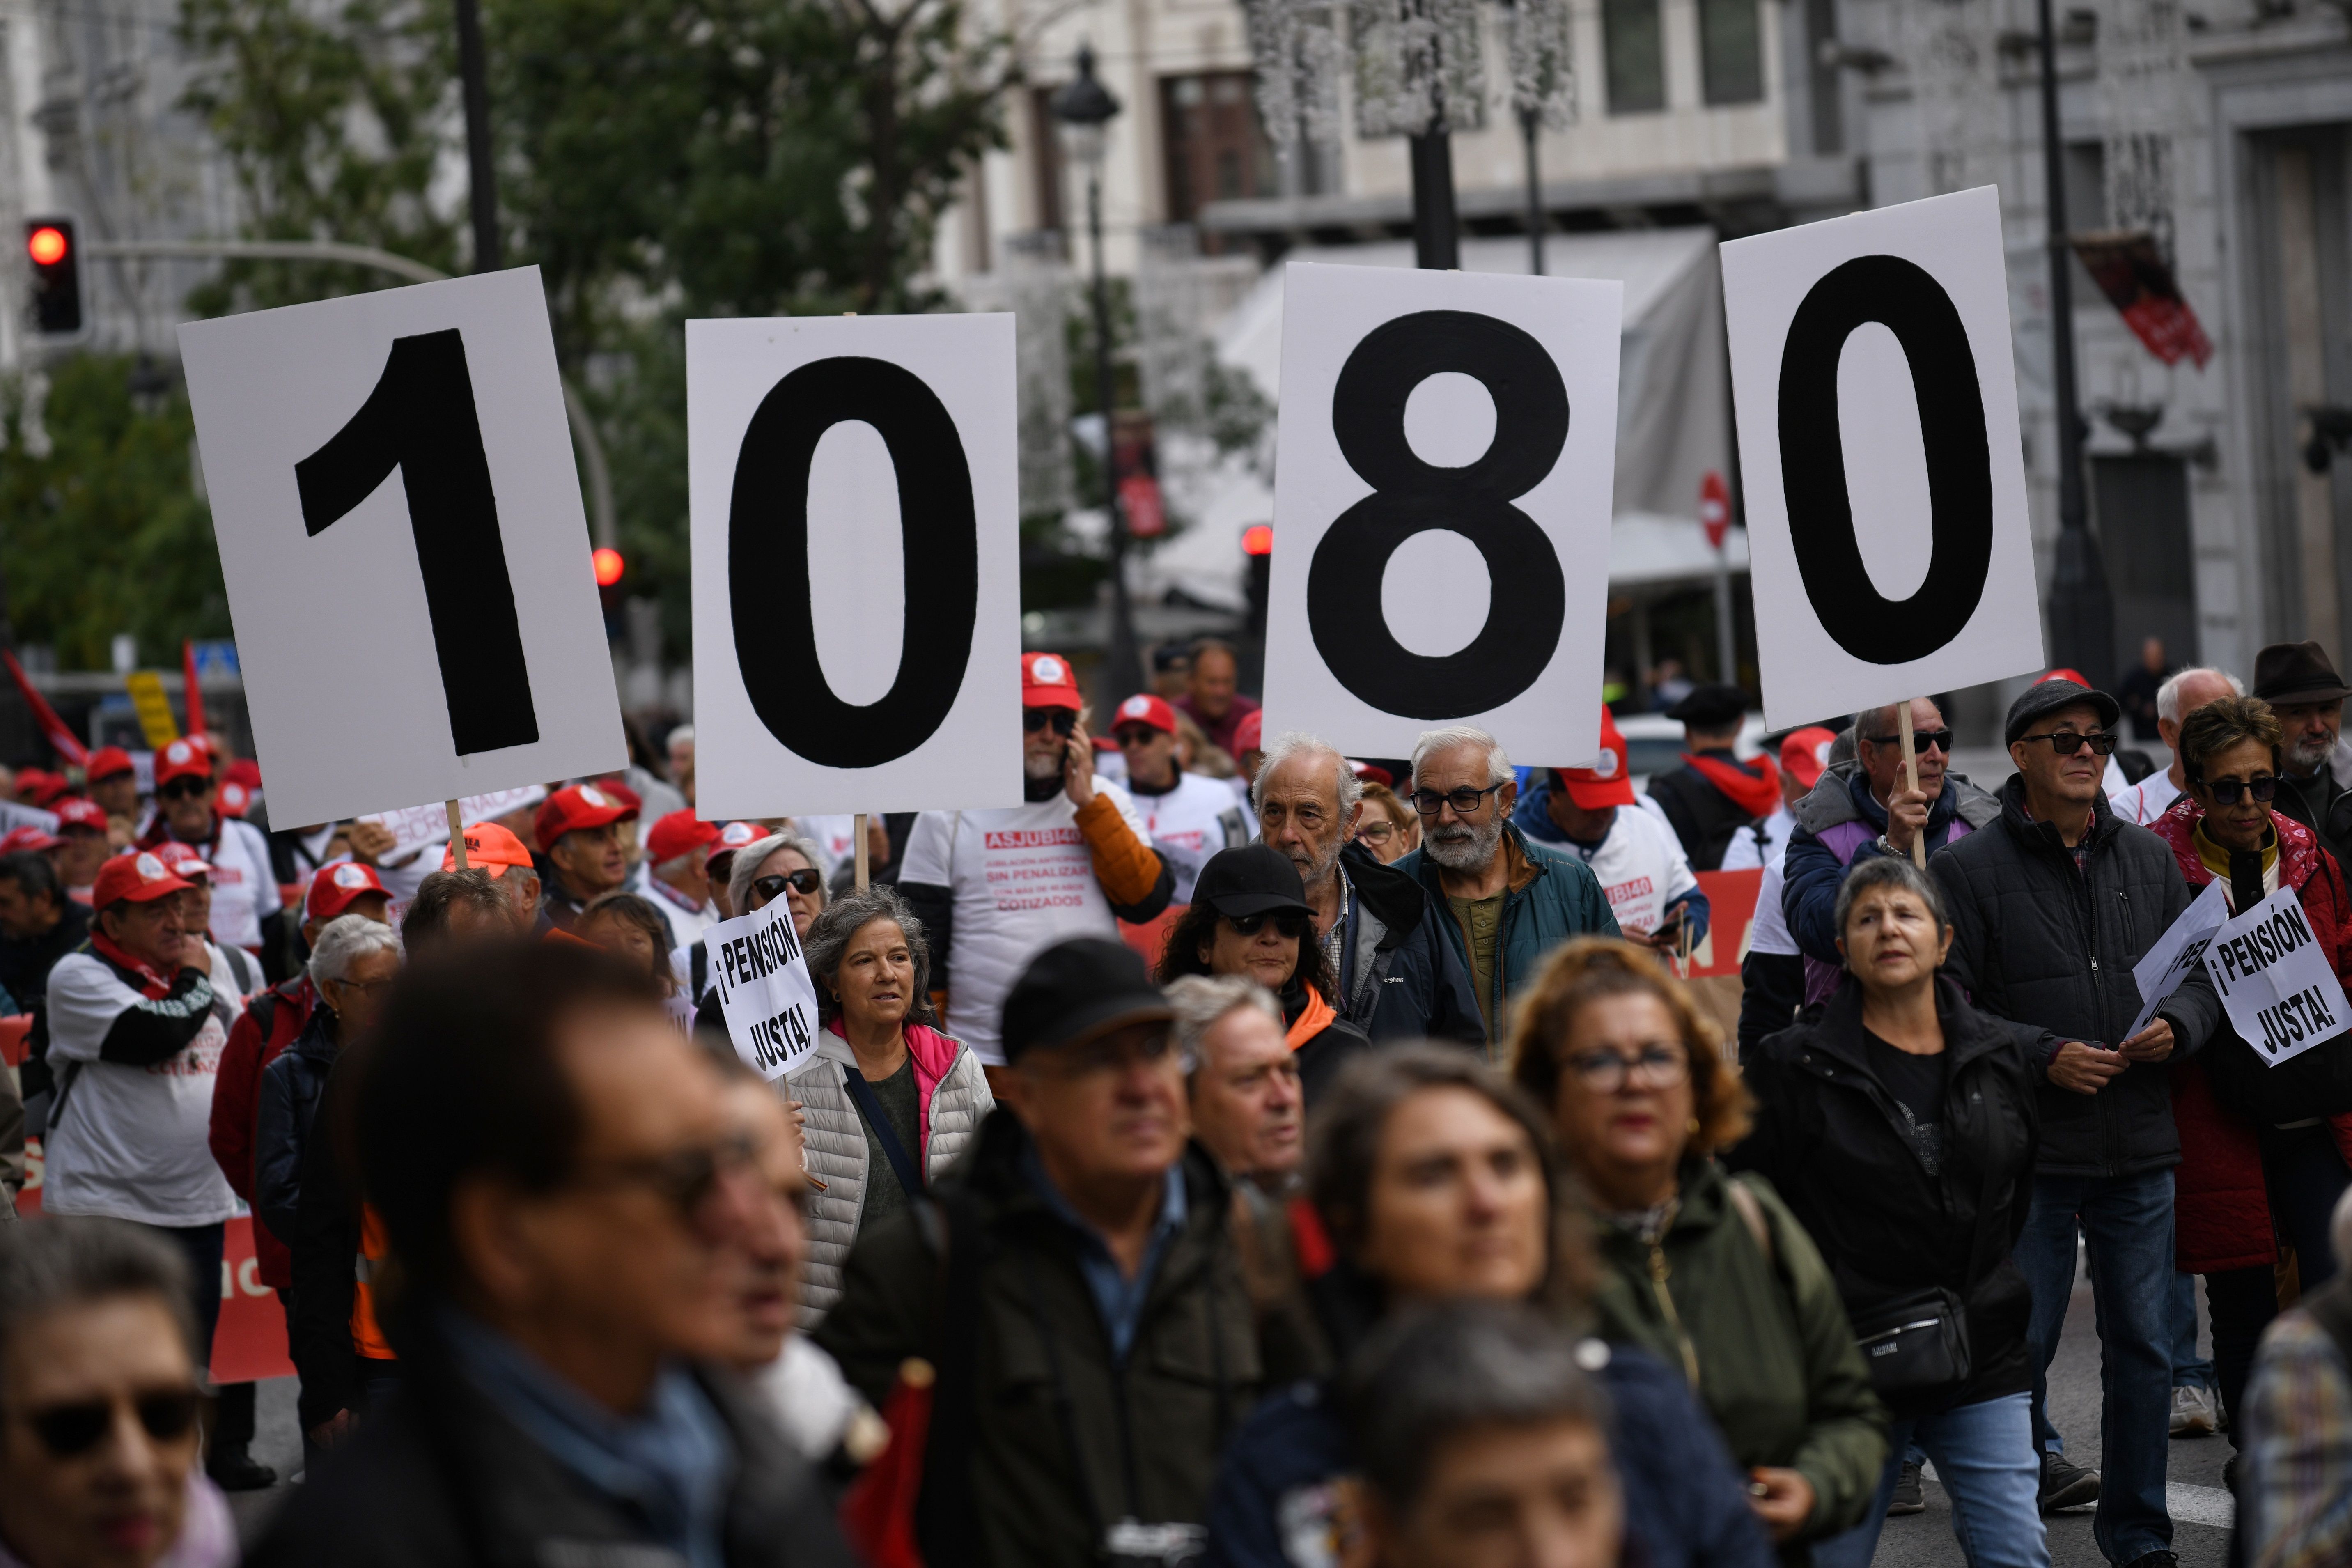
(1919, 1342)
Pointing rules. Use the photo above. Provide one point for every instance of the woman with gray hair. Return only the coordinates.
(780, 866)
(353, 967)
(888, 1102)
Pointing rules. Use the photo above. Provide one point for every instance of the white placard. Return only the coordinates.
(2163, 967)
(1445, 457)
(856, 529)
(425, 826)
(13, 816)
(399, 521)
(762, 980)
(1874, 379)
(2275, 980)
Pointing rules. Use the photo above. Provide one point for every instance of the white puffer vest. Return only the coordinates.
(834, 1136)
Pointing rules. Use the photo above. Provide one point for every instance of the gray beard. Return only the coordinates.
(2303, 761)
(1040, 767)
(1468, 849)
(1319, 873)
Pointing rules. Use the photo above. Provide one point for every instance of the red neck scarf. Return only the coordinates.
(153, 985)
(1756, 796)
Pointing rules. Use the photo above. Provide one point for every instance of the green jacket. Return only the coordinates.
(1553, 895)
(1776, 1361)
(1060, 1440)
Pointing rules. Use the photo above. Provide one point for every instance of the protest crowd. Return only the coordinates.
(1237, 1154)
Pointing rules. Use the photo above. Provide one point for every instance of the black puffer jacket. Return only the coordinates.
(2038, 942)
(1827, 1134)
(1400, 978)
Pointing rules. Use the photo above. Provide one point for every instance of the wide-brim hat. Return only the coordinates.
(2297, 672)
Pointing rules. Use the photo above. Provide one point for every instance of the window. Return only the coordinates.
(1216, 150)
(1731, 50)
(1634, 42)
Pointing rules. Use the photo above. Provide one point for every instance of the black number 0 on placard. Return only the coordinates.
(768, 563)
(1910, 304)
(1527, 596)
(420, 419)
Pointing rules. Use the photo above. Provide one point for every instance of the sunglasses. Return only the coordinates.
(1290, 923)
(1063, 720)
(682, 1178)
(1921, 740)
(1463, 800)
(804, 881)
(68, 1430)
(1135, 735)
(2067, 743)
(2230, 791)
(183, 789)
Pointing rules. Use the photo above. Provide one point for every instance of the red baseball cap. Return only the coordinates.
(187, 757)
(335, 887)
(31, 781)
(1608, 781)
(244, 771)
(106, 762)
(1249, 735)
(1804, 755)
(1371, 773)
(732, 837)
(488, 844)
(29, 839)
(1048, 681)
(1143, 708)
(138, 876)
(679, 834)
(80, 812)
(624, 794)
(183, 859)
(577, 806)
(51, 786)
(236, 800)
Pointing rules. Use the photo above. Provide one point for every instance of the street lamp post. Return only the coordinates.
(2081, 612)
(1085, 107)
(473, 71)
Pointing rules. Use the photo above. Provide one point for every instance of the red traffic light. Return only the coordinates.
(1257, 538)
(609, 566)
(47, 245)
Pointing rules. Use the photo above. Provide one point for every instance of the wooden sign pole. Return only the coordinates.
(859, 832)
(1911, 782)
(456, 838)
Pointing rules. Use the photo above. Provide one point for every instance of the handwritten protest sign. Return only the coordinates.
(2164, 966)
(764, 990)
(417, 827)
(2282, 994)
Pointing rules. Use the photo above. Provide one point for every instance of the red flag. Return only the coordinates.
(61, 739)
(2134, 276)
(877, 1514)
(195, 694)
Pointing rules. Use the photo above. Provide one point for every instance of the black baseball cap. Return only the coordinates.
(1255, 880)
(2048, 697)
(1077, 990)
(1712, 706)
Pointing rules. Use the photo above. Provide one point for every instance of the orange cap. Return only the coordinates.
(490, 847)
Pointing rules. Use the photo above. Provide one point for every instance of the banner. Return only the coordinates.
(1873, 377)
(427, 827)
(1731, 917)
(2164, 966)
(855, 511)
(398, 512)
(1445, 455)
(763, 987)
(2274, 979)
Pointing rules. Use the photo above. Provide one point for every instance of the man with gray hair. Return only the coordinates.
(1512, 900)
(1397, 977)
(2182, 694)
(1242, 1079)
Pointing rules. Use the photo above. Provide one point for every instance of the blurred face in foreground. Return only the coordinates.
(1509, 1497)
(100, 1433)
(1108, 1110)
(1457, 1204)
(775, 1244)
(1246, 1101)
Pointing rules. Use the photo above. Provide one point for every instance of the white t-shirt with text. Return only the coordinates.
(1641, 866)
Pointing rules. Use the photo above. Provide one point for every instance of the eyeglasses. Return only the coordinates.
(1113, 1053)
(2263, 787)
(682, 1178)
(1375, 832)
(1136, 735)
(772, 886)
(2067, 743)
(1290, 923)
(1921, 740)
(1606, 1072)
(1463, 800)
(67, 1430)
(1063, 720)
(183, 789)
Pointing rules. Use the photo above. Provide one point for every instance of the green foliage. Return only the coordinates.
(105, 533)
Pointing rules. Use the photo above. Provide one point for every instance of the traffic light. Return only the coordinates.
(1258, 544)
(55, 258)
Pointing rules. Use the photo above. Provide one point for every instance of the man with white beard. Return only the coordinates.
(1512, 901)
(2300, 683)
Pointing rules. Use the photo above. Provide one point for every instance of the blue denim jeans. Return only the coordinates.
(2127, 1222)
(1985, 1458)
(2188, 1369)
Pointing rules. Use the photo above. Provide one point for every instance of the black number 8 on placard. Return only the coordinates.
(768, 563)
(1527, 596)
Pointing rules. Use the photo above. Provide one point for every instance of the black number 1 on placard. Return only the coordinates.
(420, 419)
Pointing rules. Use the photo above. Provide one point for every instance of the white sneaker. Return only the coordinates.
(2194, 1413)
